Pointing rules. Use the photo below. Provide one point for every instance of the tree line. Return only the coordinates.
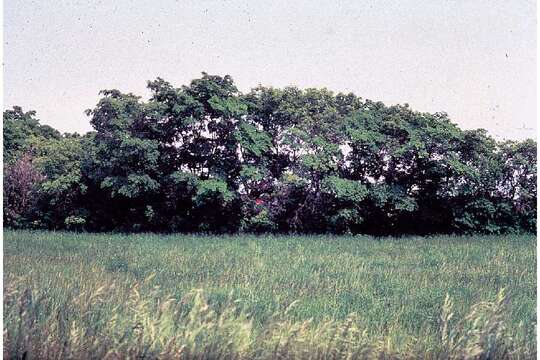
(205, 157)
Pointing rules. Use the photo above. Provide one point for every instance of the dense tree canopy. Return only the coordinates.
(205, 157)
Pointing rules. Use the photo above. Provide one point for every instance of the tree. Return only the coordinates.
(122, 167)
(21, 182)
(19, 128)
(62, 191)
(205, 157)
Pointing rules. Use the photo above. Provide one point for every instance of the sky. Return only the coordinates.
(475, 60)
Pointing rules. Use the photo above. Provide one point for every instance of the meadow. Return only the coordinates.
(69, 295)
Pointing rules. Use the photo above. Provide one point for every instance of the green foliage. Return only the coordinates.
(63, 188)
(213, 191)
(206, 157)
(259, 223)
(252, 173)
(345, 220)
(188, 180)
(19, 129)
(254, 143)
(345, 190)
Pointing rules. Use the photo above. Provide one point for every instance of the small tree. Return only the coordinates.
(21, 182)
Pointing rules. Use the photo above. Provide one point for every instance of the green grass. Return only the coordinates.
(395, 287)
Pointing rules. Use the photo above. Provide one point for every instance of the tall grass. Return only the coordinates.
(114, 296)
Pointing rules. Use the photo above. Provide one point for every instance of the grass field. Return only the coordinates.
(146, 295)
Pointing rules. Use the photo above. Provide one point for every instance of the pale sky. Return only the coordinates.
(475, 60)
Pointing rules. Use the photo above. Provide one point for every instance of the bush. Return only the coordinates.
(75, 222)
